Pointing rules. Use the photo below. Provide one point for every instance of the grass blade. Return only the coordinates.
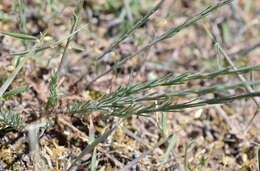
(128, 33)
(245, 51)
(123, 96)
(172, 142)
(19, 66)
(53, 99)
(170, 33)
(16, 91)
(37, 49)
(90, 147)
(64, 55)
(19, 36)
(164, 124)
(10, 79)
(203, 103)
(203, 90)
(22, 16)
(93, 164)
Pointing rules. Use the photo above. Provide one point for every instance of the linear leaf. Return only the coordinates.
(16, 91)
(170, 33)
(10, 79)
(53, 98)
(128, 33)
(19, 35)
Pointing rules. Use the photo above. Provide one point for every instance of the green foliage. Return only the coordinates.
(22, 18)
(226, 31)
(133, 99)
(165, 158)
(125, 101)
(10, 119)
(126, 34)
(19, 35)
(168, 34)
(53, 97)
(91, 146)
(10, 79)
(16, 91)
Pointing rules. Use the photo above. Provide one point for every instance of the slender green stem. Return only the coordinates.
(64, 55)
(22, 16)
(173, 31)
(10, 79)
(122, 102)
(132, 30)
(90, 147)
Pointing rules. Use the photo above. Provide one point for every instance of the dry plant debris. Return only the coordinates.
(174, 101)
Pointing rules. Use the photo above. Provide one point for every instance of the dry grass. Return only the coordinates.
(209, 137)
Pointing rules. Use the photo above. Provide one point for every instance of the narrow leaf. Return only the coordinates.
(94, 161)
(19, 36)
(170, 33)
(10, 79)
(166, 155)
(53, 98)
(16, 91)
(128, 33)
(91, 146)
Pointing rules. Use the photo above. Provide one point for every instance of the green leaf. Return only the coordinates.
(53, 99)
(94, 161)
(170, 147)
(170, 33)
(19, 36)
(226, 31)
(10, 119)
(16, 91)
(91, 146)
(11, 78)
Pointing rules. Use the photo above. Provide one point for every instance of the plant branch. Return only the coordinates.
(170, 33)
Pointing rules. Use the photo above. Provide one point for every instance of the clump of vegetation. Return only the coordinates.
(119, 105)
